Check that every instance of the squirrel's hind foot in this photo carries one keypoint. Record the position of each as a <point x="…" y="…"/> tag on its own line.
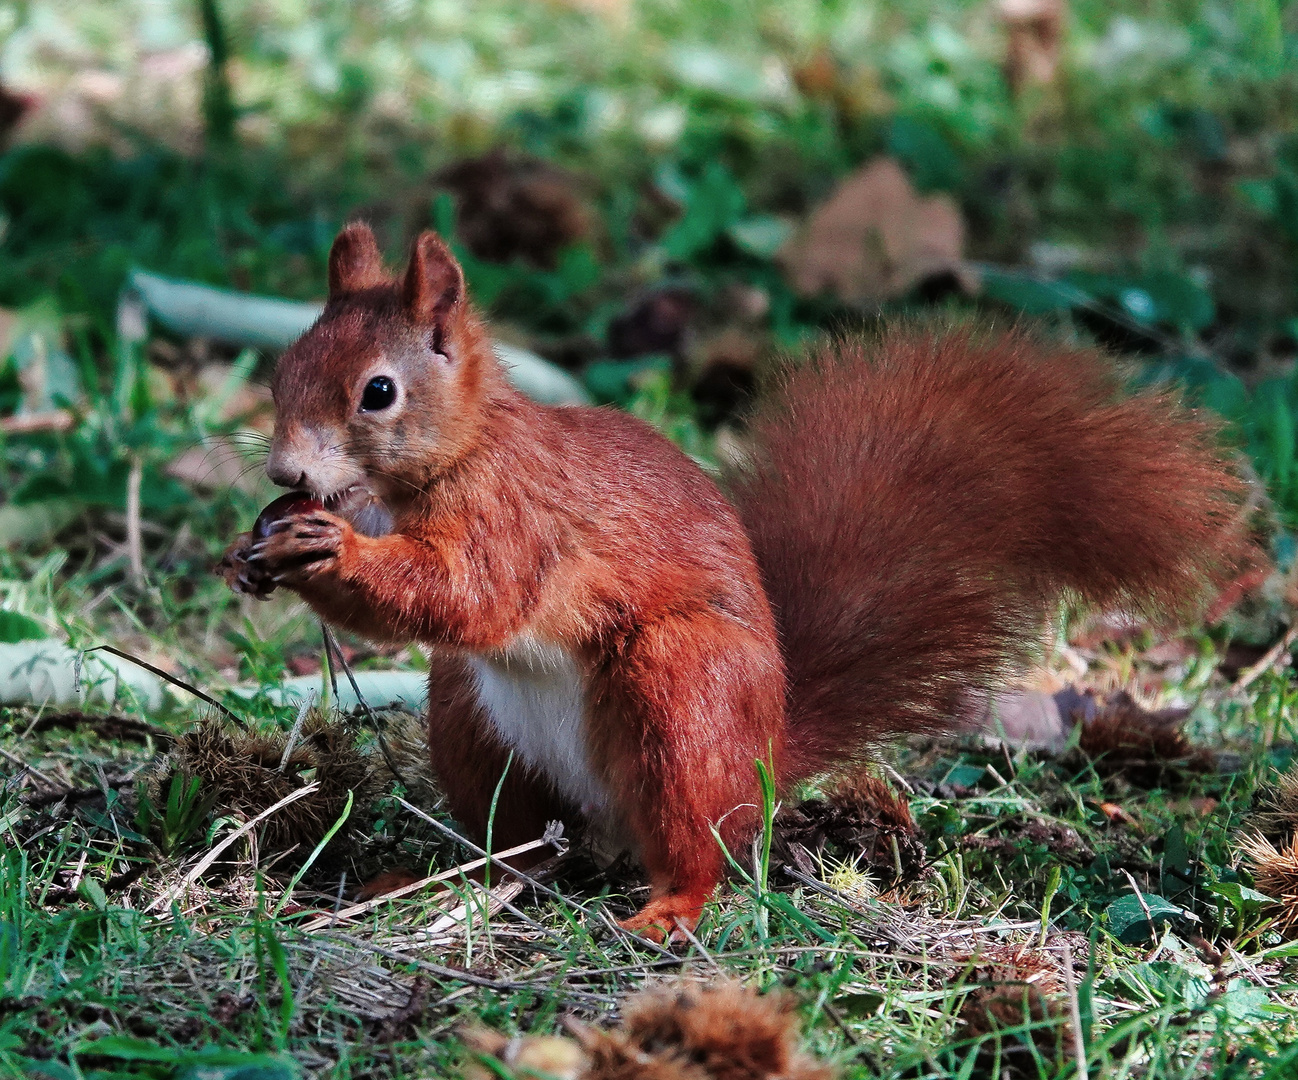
<point x="668" y="918"/>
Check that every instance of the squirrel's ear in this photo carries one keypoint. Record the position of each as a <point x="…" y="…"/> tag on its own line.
<point x="354" y="260"/>
<point x="434" y="285"/>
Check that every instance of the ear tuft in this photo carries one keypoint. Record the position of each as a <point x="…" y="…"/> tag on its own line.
<point x="433" y="289"/>
<point x="354" y="260"/>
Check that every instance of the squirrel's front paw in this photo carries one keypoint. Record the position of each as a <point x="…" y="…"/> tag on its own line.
<point x="239" y="574"/>
<point x="301" y="548"/>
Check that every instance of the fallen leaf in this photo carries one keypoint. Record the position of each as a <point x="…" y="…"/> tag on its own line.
<point x="1035" y="31"/>
<point x="875" y="238"/>
<point x="1116" y="814"/>
<point x="1029" y="719"/>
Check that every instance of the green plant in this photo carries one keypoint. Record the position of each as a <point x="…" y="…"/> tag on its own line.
<point x="180" y="820"/>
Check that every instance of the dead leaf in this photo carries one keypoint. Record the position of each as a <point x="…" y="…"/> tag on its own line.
<point x="875" y="238"/>
<point x="1116" y="814"/>
<point x="1030" y="719"/>
<point x="1035" y="31"/>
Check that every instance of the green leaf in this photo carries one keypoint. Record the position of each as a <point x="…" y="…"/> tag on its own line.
<point x="928" y="157"/>
<point x="92" y="891"/>
<point x="965" y="775"/>
<point x="1243" y="1001"/>
<point x="15" y="627"/>
<point x="36" y="522"/>
<point x="211" y="1063"/>
<point x="1128" y="921"/>
<point x="1240" y="897"/>
<point x="715" y="203"/>
<point x="1162" y="983"/>
<point x="1161" y="298"/>
<point x="761" y="235"/>
<point x="1031" y="295"/>
<point x="1176" y="861"/>
<point x="128" y="1048"/>
<point x="614" y="381"/>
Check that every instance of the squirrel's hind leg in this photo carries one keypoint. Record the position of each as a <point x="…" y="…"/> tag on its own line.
<point x="681" y="716"/>
<point x="469" y="760"/>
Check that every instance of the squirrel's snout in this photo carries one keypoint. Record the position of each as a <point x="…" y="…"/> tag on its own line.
<point x="288" y="476"/>
<point x="309" y="458"/>
<point x="285" y="467"/>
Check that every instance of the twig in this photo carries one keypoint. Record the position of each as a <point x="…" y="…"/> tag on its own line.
<point x="465" y="976"/>
<point x="690" y="936"/>
<point x="898" y="779"/>
<point x="1255" y="671"/>
<point x="332" y="649"/>
<point x="554" y="894"/>
<point x="134" y="537"/>
<point x="31" y="423"/>
<point x="171" y="679"/>
<point x="44" y="778"/>
<point x="456" y="918"/>
<point x="321" y="921"/>
<point x="1140" y="897"/>
<point x="1074" y="1011"/>
<point x="211" y="857"/>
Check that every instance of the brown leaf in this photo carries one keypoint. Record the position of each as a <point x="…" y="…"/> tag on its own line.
<point x="1035" y="30"/>
<point x="875" y="238"/>
<point x="1116" y="814"/>
<point x="1030" y="719"/>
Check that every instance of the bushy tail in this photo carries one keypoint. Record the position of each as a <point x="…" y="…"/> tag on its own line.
<point x="918" y="503"/>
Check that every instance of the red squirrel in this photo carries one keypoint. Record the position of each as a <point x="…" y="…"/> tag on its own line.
<point x="593" y="603"/>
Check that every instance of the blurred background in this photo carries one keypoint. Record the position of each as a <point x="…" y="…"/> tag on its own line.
<point x="653" y="201"/>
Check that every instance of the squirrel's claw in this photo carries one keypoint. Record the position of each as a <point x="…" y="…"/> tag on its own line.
<point x="298" y="548"/>
<point x="239" y="574"/>
<point x="667" y="919"/>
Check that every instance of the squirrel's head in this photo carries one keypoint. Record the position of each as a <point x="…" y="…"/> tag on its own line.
<point x="386" y="390"/>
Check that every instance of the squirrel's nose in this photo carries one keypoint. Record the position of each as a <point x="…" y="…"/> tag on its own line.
<point x="284" y="470"/>
<point x="289" y="478"/>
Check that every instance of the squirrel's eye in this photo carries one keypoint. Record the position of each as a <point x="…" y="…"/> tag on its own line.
<point x="379" y="393"/>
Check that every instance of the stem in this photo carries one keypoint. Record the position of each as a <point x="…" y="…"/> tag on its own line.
<point x="218" y="99"/>
<point x="134" y="536"/>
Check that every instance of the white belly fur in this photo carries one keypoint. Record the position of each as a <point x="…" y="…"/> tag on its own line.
<point x="535" y="696"/>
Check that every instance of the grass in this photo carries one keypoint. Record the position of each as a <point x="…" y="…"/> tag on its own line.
<point x="1026" y="855"/>
<point x="1146" y="200"/>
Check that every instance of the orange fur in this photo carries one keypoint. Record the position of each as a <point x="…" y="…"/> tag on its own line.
<point x="917" y="506"/>
<point x="910" y="514"/>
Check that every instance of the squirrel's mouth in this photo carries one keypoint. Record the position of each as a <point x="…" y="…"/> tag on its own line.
<point x="360" y="506"/>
